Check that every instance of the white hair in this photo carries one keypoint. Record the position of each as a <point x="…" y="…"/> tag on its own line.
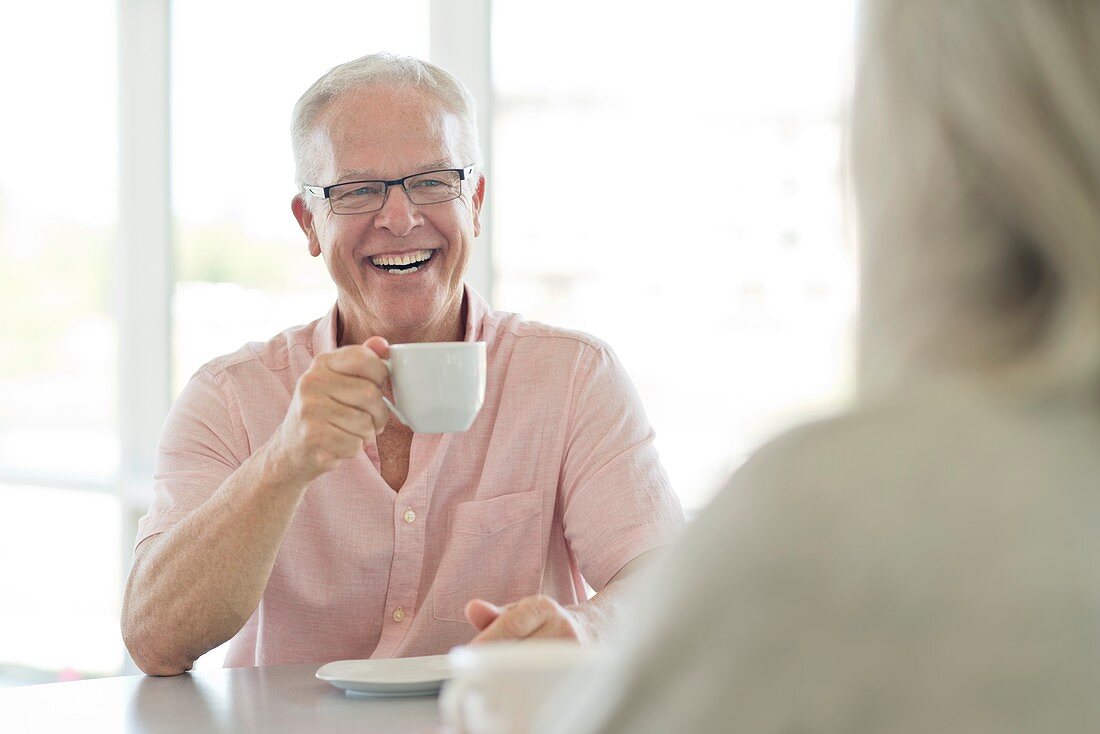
<point x="976" y="158"/>
<point x="382" y="69"/>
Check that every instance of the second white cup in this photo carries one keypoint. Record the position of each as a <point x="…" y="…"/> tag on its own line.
<point x="500" y="687"/>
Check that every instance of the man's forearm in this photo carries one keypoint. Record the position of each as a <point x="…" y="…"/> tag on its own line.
<point x="600" y="613"/>
<point x="195" y="586"/>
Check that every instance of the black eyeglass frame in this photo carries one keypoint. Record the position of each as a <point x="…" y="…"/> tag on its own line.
<point x="324" y="192"/>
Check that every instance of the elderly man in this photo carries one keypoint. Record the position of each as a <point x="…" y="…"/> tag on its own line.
<point x="292" y="514"/>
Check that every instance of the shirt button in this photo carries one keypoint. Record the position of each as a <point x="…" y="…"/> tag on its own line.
<point x="399" y="615"/>
<point x="409" y="515"/>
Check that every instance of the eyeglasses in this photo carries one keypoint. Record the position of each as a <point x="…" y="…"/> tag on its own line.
<point x="360" y="197"/>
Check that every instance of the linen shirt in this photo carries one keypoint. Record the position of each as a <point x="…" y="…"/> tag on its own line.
<point x="556" y="483"/>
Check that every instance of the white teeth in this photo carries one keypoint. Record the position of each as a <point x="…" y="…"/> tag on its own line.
<point x="406" y="259"/>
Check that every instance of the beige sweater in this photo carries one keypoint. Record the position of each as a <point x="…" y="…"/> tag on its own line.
<point x="928" y="566"/>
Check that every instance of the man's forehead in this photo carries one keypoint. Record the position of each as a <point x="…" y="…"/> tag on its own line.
<point x="380" y="100"/>
<point x="371" y="173"/>
<point x="386" y="133"/>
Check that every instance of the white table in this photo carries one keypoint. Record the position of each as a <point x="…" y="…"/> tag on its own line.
<point x="282" y="699"/>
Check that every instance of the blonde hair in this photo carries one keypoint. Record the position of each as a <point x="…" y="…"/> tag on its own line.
<point x="976" y="158"/>
<point x="380" y="69"/>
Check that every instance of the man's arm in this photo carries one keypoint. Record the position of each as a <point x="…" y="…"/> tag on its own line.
<point x="617" y="507"/>
<point x="542" y="617"/>
<point x="195" y="586"/>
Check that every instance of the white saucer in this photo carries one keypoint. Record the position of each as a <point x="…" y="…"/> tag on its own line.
<point x="391" y="677"/>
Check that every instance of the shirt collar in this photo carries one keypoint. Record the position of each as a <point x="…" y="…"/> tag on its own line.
<point x="324" y="333"/>
<point x="477" y="308"/>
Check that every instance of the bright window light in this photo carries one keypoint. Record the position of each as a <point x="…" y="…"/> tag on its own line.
<point x="673" y="184"/>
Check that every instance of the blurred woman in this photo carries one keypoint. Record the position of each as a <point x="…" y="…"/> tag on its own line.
<point x="925" y="563"/>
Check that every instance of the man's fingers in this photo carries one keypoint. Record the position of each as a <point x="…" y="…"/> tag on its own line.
<point x="357" y="422"/>
<point x="520" y="621"/>
<point x="337" y="391"/>
<point x="379" y="346"/>
<point x="354" y="392"/>
<point x="555" y="629"/>
<point x="481" y="613"/>
<point x="380" y="414"/>
<point x="337" y="408"/>
<point x="356" y="360"/>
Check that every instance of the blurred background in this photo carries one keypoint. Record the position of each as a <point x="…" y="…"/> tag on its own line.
<point x="659" y="173"/>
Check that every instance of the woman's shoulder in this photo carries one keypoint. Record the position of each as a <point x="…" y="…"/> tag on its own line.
<point x="945" y="436"/>
<point x="897" y="473"/>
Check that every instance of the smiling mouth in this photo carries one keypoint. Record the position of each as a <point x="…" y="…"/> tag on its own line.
<point x="409" y="262"/>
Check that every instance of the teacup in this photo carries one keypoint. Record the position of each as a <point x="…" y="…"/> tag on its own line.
<point x="497" y="688"/>
<point x="438" y="387"/>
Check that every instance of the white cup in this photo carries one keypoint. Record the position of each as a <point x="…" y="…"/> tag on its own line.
<point x="438" y="387"/>
<point x="498" y="687"/>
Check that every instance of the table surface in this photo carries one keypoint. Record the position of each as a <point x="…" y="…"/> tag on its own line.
<point x="277" y="699"/>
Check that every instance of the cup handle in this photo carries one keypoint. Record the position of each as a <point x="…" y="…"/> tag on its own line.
<point x="389" y="404"/>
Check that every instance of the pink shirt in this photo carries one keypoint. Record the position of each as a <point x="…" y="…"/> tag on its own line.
<point x="556" y="482"/>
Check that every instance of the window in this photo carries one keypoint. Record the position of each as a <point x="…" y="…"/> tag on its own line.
<point x="675" y="189"/>
<point x="57" y="367"/>
<point x="62" y="570"/>
<point x="59" y="551"/>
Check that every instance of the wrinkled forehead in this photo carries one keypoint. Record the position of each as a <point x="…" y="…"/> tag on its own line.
<point x="385" y="133"/>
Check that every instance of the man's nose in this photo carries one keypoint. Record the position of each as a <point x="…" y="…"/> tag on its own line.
<point x="398" y="214"/>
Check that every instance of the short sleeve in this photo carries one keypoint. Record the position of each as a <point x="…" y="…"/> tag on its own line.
<point x="617" y="501"/>
<point x="202" y="443"/>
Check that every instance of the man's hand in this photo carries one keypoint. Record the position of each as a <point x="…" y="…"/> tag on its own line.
<point x="529" y="618"/>
<point x="337" y="407"/>
<point x="541" y="616"/>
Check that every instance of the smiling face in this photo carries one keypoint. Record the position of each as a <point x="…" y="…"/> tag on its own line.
<point x="398" y="270"/>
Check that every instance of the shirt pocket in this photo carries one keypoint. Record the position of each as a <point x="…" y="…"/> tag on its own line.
<point x="494" y="553"/>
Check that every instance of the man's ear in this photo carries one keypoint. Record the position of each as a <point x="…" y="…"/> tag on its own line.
<point x="476" y="201"/>
<point x="305" y="220"/>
